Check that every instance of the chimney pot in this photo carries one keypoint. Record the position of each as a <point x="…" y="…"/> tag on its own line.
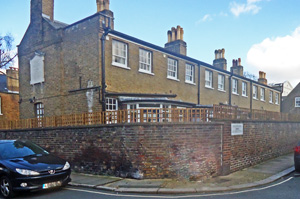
<point x="178" y="33"/>
<point x="223" y="53"/>
<point x="181" y="34"/>
<point x="240" y="61"/>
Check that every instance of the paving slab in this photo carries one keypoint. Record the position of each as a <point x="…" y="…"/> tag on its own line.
<point x="92" y="180"/>
<point x="131" y="183"/>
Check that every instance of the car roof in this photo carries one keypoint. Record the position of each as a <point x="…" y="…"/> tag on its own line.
<point x="6" y="141"/>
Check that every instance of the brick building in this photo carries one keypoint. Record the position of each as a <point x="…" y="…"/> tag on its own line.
<point x="291" y="103"/>
<point x="9" y="95"/>
<point x="63" y="69"/>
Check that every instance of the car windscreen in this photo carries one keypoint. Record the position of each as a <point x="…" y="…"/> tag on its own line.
<point x="19" y="149"/>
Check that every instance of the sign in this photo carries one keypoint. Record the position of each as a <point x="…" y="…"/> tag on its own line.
<point x="37" y="69"/>
<point x="237" y="129"/>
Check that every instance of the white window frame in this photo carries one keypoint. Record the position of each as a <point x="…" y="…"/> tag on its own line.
<point x="244" y="89"/>
<point x="297" y="102"/>
<point x="172" y="69"/>
<point x="145" y="61"/>
<point x="255" y="88"/>
<point x="234" y="86"/>
<point x="189" y="73"/>
<point x="276" y="98"/>
<point x="262" y="94"/>
<point x="221" y="82"/>
<point x="39" y="113"/>
<point x="111" y="102"/>
<point x="118" y="48"/>
<point x="208" y="79"/>
<point x="271" y="97"/>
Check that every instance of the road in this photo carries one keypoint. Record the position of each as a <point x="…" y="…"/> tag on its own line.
<point x="287" y="188"/>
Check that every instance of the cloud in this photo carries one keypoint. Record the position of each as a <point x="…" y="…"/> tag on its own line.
<point x="278" y="57"/>
<point x="205" y="18"/>
<point x="249" y="7"/>
<point x="209" y="17"/>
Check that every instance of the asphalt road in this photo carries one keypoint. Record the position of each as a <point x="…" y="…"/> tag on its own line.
<point x="285" y="188"/>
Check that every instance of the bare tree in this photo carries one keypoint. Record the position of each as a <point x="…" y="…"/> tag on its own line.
<point x="6" y="54"/>
<point x="250" y="76"/>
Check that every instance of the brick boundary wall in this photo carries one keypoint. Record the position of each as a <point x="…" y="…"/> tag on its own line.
<point x="261" y="141"/>
<point x="165" y="150"/>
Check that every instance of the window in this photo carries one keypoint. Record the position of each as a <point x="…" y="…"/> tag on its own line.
<point x="172" y="68"/>
<point x="254" y="92"/>
<point x="297" y="102"/>
<point x="244" y="89"/>
<point x="145" y="61"/>
<point x="39" y="113"/>
<point x="262" y="94"/>
<point x="208" y="79"/>
<point x="111" y="104"/>
<point x="189" y="73"/>
<point x="276" y="98"/>
<point x="221" y="82"/>
<point x="271" y="97"/>
<point x="119" y="54"/>
<point x="234" y="86"/>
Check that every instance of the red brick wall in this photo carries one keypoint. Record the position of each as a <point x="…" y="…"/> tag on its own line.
<point x="261" y="141"/>
<point x="166" y="150"/>
<point x="9" y="106"/>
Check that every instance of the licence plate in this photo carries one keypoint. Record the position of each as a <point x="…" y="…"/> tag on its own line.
<point x="51" y="184"/>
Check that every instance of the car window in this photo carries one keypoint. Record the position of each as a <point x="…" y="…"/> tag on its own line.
<point x="19" y="149"/>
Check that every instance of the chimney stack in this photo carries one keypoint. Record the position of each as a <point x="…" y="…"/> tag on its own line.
<point x="175" y="41"/>
<point x="237" y="67"/>
<point x="12" y="79"/>
<point x="262" y="78"/>
<point x="41" y="8"/>
<point x="220" y="61"/>
<point x="107" y="19"/>
<point x="102" y="5"/>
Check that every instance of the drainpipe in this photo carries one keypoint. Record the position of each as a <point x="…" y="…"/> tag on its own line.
<point x="251" y="98"/>
<point x="280" y="100"/>
<point x="199" y="84"/>
<point x="230" y="89"/>
<point x="103" y="82"/>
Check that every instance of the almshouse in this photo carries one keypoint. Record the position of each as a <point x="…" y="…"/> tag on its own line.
<point x="88" y="66"/>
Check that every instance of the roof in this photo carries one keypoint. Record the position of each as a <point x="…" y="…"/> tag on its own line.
<point x="55" y="24"/>
<point x="200" y="63"/>
<point x="3" y="83"/>
<point x="154" y="100"/>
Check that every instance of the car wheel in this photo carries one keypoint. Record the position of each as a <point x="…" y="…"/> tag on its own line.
<point x="6" y="187"/>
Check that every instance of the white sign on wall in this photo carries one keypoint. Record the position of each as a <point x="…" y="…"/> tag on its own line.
<point x="237" y="129"/>
<point x="37" y="69"/>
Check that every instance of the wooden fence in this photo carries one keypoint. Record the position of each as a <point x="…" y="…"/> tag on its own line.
<point x="149" y="116"/>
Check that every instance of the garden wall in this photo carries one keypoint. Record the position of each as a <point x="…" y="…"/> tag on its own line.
<point x="165" y="150"/>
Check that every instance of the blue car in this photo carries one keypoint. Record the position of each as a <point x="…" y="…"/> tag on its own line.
<point x="24" y="166"/>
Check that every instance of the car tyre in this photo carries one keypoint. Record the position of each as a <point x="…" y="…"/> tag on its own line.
<point x="6" y="187"/>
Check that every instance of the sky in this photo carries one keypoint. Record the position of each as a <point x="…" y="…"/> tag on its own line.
<point x="265" y="34"/>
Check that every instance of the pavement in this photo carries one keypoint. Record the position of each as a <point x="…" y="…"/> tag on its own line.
<point x="261" y="174"/>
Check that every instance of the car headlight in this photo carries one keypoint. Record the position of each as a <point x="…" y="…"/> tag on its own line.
<point x="67" y="166"/>
<point x="26" y="172"/>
